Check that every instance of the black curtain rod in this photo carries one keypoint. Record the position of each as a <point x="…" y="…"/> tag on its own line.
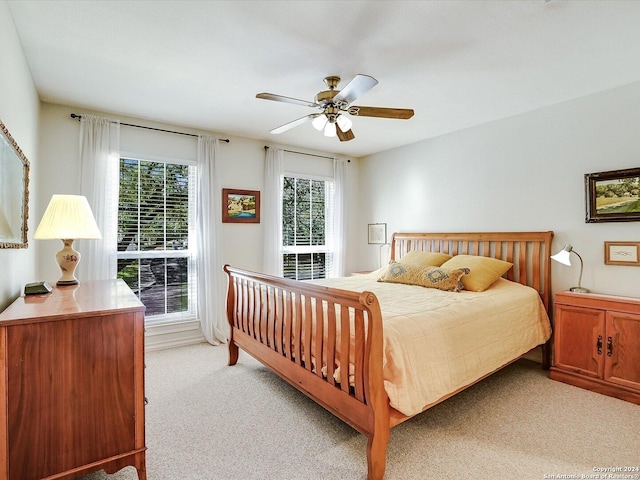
<point x="266" y="147"/>
<point x="226" y="140"/>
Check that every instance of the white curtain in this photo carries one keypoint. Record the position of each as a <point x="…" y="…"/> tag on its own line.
<point x="211" y="278"/>
<point x="339" y="180"/>
<point x="99" y="164"/>
<point x="272" y="211"/>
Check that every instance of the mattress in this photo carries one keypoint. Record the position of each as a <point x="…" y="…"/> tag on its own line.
<point x="437" y="342"/>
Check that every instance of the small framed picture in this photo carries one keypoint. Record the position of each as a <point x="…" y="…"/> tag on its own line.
<point x="240" y="206"/>
<point x="378" y="233"/>
<point x="622" y="253"/>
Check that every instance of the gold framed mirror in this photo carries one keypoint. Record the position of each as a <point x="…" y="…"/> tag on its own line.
<point x="14" y="192"/>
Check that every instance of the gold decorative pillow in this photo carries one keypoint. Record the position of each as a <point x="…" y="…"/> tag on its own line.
<point x="416" y="257"/>
<point x="447" y="279"/>
<point x="484" y="270"/>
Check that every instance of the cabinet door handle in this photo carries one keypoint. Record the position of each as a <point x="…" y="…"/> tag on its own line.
<point x="609" y="346"/>
<point x="599" y="344"/>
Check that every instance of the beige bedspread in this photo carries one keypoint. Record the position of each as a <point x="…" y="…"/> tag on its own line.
<point x="437" y="342"/>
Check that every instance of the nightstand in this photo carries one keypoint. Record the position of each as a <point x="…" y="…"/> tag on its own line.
<point x="597" y="343"/>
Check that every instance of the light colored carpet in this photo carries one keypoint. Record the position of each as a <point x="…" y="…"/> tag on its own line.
<point x="208" y="421"/>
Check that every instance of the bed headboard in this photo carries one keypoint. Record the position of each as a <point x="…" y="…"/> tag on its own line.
<point x="530" y="252"/>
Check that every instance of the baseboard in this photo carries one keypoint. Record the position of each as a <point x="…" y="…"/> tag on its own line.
<point x="159" y="337"/>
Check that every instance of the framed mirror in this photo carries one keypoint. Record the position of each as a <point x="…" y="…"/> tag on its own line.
<point x="14" y="192"/>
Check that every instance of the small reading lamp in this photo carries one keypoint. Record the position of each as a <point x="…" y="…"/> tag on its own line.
<point x="564" y="257"/>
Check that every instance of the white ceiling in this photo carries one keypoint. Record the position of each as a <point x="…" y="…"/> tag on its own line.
<point x="200" y="63"/>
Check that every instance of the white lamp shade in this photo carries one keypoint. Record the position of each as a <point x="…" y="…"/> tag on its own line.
<point x="319" y="122"/>
<point x="67" y="217"/>
<point x="330" y="130"/>
<point x="344" y="123"/>
<point x="563" y="256"/>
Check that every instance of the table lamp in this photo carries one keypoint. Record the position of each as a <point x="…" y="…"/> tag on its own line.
<point x="564" y="257"/>
<point x="67" y="218"/>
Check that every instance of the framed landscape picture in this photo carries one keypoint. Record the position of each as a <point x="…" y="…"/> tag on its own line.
<point x="613" y="196"/>
<point x="240" y="206"/>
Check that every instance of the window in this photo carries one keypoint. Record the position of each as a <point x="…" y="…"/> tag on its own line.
<point x="306" y="211"/>
<point x="156" y="212"/>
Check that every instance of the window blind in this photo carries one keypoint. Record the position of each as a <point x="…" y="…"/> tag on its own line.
<point x="307" y="206"/>
<point x="156" y="217"/>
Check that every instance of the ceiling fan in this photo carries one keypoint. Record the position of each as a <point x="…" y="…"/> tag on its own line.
<point x="333" y="104"/>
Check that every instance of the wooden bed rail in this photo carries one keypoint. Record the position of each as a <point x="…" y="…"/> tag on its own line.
<point x="276" y="321"/>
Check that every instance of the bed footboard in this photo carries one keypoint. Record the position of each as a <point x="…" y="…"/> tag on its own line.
<point x="324" y="341"/>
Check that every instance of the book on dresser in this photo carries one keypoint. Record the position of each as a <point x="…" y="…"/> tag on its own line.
<point x="72" y="383"/>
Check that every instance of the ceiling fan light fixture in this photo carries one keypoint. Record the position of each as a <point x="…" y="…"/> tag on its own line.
<point x="319" y="122"/>
<point x="330" y="130"/>
<point x="344" y="123"/>
<point x="333" y="103"/>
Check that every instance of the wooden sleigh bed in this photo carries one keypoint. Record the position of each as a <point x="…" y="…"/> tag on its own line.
<point x="275" y="320"/>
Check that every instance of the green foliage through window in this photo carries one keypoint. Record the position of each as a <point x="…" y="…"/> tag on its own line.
<point x="305" y="203"/>
<point x="153" y="207"/>
<point x="154" y="256"/>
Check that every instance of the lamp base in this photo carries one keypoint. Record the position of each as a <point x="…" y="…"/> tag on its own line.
<point x="68" y="260"/>
<point x="579" y="290"/>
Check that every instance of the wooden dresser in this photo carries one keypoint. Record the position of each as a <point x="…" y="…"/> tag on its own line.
<point x="72" y="383"/>
<point x="597" y="343"/>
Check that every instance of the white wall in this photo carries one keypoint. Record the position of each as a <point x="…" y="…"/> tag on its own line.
<point x="19" y="107"/>
<point x="521" y="173"/>
<point x="241" y="162"/>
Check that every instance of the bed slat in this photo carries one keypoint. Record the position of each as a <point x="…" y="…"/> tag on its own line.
<point x="359" y="356"/>
<point x="345" y="343"/>
<point x="318" y="350"/>
<point x="288" y="322"/>
<point x="278" y="325"/>
<point x="297" y="336"/>
<point x="331" y="343"/>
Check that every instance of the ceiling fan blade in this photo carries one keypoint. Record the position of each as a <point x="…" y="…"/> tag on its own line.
<point x="345" y="136"/>
<point x="359" y="85"/>
<point x="399" y="113"/>
<point x="280" y="98"/>
<point x="295" y="123"/>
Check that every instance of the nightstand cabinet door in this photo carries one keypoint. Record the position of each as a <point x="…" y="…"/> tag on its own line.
<point x="579" y="340"/>
<point x="597" y="344"/>
<point x="622" y="365"/>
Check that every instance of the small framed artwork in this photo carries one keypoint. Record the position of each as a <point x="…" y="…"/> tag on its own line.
<point x="622" y="253"/>
<point x="613" y="196"/>
<point x="378" y="233"/>
<point x="240" y="206"/>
